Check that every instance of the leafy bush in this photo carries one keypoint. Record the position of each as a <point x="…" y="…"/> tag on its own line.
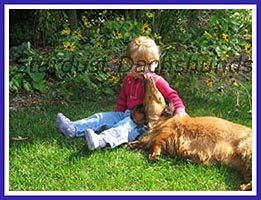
<point x="201" y="51"/>
<point x="30" y="71"/>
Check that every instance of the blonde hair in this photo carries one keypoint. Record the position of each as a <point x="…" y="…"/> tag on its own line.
<point x="143" y="49"/>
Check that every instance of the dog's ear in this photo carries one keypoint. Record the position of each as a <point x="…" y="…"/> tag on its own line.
<point x="138" y="115"/>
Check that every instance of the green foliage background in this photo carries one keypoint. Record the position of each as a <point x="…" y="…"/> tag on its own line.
<point x="201" y="50"/>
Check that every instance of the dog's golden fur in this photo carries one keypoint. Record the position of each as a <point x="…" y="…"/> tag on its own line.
<point x="202" y="140"/>
<point x="153" y="106"/>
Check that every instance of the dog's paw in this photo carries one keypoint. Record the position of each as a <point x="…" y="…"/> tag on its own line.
<point x="134" y="144"/>
<point x="246" y="187"/>
<point x="154" y="157"/>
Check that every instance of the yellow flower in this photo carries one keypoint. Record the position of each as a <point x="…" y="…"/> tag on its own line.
<point x="207" y="34"/>
<point x="171" y="47"/>
<point x="209" y="82"/>
<point x="87" y="24"/>
<point x="182" y="30"/>
<point x="193" y="66"/>
<point x="77" y="35"/>
<point x="115" y="80"/>
<point x="124" y="61"/>
<point x="99" y="45"/>
<point x="117" y="34"/>
<point x="248" y="48"/>
<point x="149" y="14"/>
<point x="84" y="18"/>
<point x="66" y="31"/>
<point x="225" y="37"/>
<point x="146" y="28"/>
<point x="233" y="81"/>
<point x="157" y="36"/>
<point x="119" y="18"/>
<point x="69" y="46"/>
<point x="103" y="13"/>
<point x="245" y="31"/>
<point x="206" y="67"/>
<point x="225" y="54"/>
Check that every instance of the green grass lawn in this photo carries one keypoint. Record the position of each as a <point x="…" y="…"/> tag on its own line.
<point x="52" y="162"/>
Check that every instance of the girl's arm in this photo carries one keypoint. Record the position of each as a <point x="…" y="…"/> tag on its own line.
<point x="122" y="99"/>
<point x="171" y="95"/>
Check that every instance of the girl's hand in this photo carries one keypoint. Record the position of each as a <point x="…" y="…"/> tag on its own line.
<point x="182" y="113"/>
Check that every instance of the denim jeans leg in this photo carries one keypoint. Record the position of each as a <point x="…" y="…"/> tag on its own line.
<point x="124" y="131"/>
<point x="136" y="132"/>
<point x="98" y="122"/>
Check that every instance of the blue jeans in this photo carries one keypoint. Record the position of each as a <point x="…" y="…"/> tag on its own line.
<point x="115" y="128"/>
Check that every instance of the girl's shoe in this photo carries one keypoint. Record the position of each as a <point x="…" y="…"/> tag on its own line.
<point x="65" y="125"/>
<point x="94" y="141"/>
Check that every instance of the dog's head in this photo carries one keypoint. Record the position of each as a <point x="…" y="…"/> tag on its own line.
<point x="153" y="102"/>
<point x="153" y="106"/>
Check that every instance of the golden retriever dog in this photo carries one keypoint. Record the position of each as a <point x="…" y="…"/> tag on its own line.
<point x="153" y="107"/>
<point x="202" y="140"/>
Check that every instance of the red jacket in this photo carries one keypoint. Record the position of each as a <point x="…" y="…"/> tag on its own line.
<point x="132" y="93"/>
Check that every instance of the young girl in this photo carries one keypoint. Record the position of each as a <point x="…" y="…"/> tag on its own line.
<point x="111" y="129"/>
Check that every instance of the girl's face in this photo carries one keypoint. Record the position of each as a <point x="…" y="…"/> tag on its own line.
<point x="142" y="67"/>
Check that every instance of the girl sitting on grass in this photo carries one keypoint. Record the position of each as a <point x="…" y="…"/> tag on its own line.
<point x="116" y="128"/>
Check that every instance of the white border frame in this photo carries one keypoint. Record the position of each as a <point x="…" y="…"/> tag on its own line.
<point x="131" y="6"/>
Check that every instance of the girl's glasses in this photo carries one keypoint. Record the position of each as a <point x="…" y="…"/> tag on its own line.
<point x="142" y="66"/>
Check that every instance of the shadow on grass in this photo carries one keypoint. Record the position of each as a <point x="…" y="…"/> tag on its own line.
<point x="230" y="176"/>
<point x="82" y="152"/>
